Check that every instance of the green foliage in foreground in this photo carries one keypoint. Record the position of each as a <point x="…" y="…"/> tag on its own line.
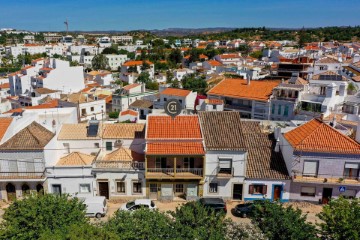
<point x="340" y="220"/>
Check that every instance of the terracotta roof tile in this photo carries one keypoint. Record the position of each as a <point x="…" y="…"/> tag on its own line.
<point x="214" y="101"/>
<point x="327" y="73"/>
<point x="317" y="136"/>
<point x="76" y="159"/>
<point x="327" y="60"/>
<point x="214" y="63"/>
<point x="176" y="92"/>
<point x="4" y="125"/>
<point x="33" y="137"/>
<point x="136" y="63"/>
<point x="124" y="131"/>
<point x="76" y="131"/>
<point x="5" y="85"/>
<point x="128" y="87"/>
<point x="124" y="154"/>
<point x="238" y="88"/>
<point x="45" y="90"/>
<point x="181" y="127"/>
<point x="222" y="130"/>
<point x="129" y="112"/>
<point x="262" y="161"/>
<point x="141" y="104"/>
<point x="175" y="148"/>
<point x="51" y="104"/>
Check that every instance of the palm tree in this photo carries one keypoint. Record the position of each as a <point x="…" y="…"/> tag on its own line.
<point x="100" y="62"/>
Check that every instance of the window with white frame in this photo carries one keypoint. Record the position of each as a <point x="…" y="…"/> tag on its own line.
<point x="351" y="170"/>
<point x="310" y="168"/>
<point x="308" y="191"/>
<point x="225" y="165"/>
<point x="136" y="188"/>
<point x="213" y="187"/>
<point x="120" y="187"/>
<point x="257" y="189"/>
<point x="85" y="188"/>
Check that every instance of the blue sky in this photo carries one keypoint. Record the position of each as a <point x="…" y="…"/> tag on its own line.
<point x="159" y="14"/>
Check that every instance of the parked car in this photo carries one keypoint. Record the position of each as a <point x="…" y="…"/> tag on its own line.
<point x="245" y="209"/>
<point x="216" y="204"/>
<point x="95" y="206"/>
<point x="137" y="204"/>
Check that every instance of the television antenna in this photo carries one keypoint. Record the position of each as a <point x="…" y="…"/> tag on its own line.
<point x="67" y="25"/>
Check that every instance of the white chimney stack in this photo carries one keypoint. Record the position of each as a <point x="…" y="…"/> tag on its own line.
<point x="277" y="146"/>
<point x="248" y="81"/>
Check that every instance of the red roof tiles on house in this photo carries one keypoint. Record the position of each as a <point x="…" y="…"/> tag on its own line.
<point x="175" y="148"/>
<point x="214" y="63"/>
<point x="129" y="112"/>
<point x="176" y="92"/>
<point x="238" y="88"/>
<point x="136" y="63"/>
<point x="317" y="136"/>
<point x="128" y="87"/>
<point x="4" y="125"/>
<point x="181" y="127"/>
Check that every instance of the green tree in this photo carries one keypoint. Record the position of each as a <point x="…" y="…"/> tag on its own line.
<point x="175" y="56"/>
<point x="109" y="50"/>
<point x="193" y="221"/>
<point x="113" y="114"/>
<point x="256" y="54"/>
<point x="99" y="62"/>
<point x="340" y="219"/>
<point x="74" y="63"/>
<point x="140" y="224"/>
<point x="38" y="214"/>
<point x="282" y="223"/>
<point x="143" y="77"/>
<point x="80" y="232"/>
<point x="196" y="84"/>
<point x="145" y="65"/>
<point x="169" y="76"/>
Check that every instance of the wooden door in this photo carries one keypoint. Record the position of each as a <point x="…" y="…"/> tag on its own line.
<point x="104" y="189"/>
<point x="277" y="193"/>
<point x="237" y="191"/>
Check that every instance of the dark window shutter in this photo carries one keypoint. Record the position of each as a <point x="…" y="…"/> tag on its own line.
<point x="264" y="190"/>
<point x="251" y="189"/>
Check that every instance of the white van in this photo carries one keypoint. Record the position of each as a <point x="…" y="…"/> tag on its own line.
<point x="95" y="206"/>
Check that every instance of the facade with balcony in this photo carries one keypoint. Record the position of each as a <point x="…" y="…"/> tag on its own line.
<point x="22" y="161"/>
<point x="175" y="158"/>
<point x="323" y="162"/>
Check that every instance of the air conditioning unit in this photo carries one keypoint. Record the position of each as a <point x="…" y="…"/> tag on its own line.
<point x="118" y="143"/>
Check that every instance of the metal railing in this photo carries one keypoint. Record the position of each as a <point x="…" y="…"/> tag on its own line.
<point x="238" y="107"/>
<point x="22" y="175"/>
<point x="171" y="171"/>
<point x="225" y="172"/>
<point x="326" y="178"/>
<point x="128" y="165"/>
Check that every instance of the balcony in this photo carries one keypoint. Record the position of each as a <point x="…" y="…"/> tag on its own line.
<point x="238" y="107"/>
<point x="22" y="175"/>
<point x="225" y="172"/>
<point x="172" y="173"/>
<point x="328" y="179"/>
<point x="119" y="165"/>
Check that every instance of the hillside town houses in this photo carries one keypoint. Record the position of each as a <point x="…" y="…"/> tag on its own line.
<point x="284" y="126"/>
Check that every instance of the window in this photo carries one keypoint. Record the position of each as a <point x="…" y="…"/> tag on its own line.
<point x="286" y="111"/>
<point x="273" y="109"/>
<point x="179" y="188"/>
<point x="180" y="101"/>
<point x="85" y="188"/>
<point x="308" y="191"/>
<point x="279" y="110"/>
<point x="189" y="162"/>
<point x="96" y="145"/>
<point x="310" y="168"/>
<point x="165" y="99"/>
<point x="225" y="165"/>
<point x="92" y="109"/>
<point x="120" y="187"/>
<point x="351" y="170"/>
<point x="137" y="187"/>
<point x="108" y="146"/>
<point x="213" y="187"/>
<point x="258" y="189"/>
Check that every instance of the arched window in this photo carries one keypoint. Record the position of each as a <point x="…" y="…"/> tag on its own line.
<point x="40" y="188"/>
<point x="11" y="192"/>
<point x="25" y="189"/>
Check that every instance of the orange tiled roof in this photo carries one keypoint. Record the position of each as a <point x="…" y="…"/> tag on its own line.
<point x="5" y="85"/>
<point x="259" y="90"/>
<point x="129" y="112"/>
<point x="225" y="56"/>
<point x="15" y="110"/>
<point x="203" y="56"/>
<point x="181" y="127"/>
<point x="214" y="63"/>
<point x="214" y="101"/>
<point x="176" y="92"/>
<point x="4" y="125"/>
<point x="317" y="136"/>
<point x="175" y="148"/>
<point x="135" y="63"/>
<point x="76" y="159"/>
<point x="128" y="87"/>
<point x="108" y="98"/>
<point x="51" y="104"/>
<point x="27" y="67"/>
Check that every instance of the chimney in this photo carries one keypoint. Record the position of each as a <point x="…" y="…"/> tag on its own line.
<point x="277" y="146"/>
<point x="142" y="87"/>
<point x="357" y="138"/>
<point x="333" y="122"/>
<point x="342" y="89"/>
<point x="248" y="81"/>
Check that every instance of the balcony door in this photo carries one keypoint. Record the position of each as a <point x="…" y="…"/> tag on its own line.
<point x="189" y="163"/>
<point x="160" y="162"/>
